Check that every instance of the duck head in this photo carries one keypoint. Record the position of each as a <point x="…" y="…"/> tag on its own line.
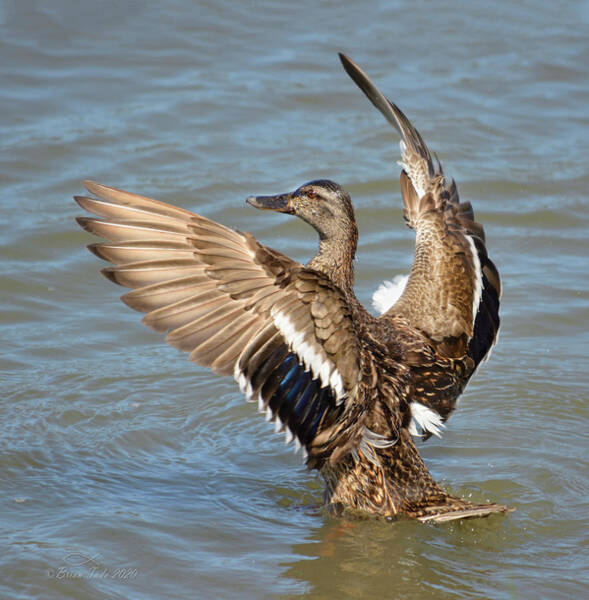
<point x="322" y="203"/>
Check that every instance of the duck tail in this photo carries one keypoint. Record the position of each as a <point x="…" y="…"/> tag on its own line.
<point x="455" y="508"/>
<point x="413" y="491"/>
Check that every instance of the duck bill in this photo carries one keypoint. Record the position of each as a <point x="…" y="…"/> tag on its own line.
<point x="279" y="203"/>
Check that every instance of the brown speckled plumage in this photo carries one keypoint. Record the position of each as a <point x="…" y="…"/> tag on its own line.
<point x="340" y="382"/>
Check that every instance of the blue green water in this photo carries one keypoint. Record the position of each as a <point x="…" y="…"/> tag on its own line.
<point x="128" y="472"/>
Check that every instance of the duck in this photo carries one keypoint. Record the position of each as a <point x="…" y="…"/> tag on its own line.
<point x="348" y="388"/>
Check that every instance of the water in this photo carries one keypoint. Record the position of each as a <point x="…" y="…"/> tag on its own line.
<point x="126" y="471"/>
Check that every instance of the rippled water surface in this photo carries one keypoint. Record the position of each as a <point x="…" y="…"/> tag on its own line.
<point x="128" y="472"/>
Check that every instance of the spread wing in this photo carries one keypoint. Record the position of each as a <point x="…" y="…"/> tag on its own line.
<point x="454" y="289"/>
<point x="284" y="331"/>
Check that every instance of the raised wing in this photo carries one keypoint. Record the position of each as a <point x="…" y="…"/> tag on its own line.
<point x="454" y="289"/>
<point x="284" y="331"/>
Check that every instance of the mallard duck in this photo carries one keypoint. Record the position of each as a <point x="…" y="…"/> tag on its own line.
<point x="347" y="387"/>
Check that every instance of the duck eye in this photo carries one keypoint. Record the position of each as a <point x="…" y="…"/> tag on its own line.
<point x="312" y="194"/>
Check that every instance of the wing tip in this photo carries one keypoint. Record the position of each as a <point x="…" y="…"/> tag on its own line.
<point x="111" y="274"/>
<point x="93" y="186"/>
<point x="81" y="200"/>
<point x="96" y="249"/>
<point x="86" y="223"/>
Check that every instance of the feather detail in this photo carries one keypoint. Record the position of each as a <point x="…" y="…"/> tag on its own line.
<point x="388" y="292"/>
<point x="424" y="420"/>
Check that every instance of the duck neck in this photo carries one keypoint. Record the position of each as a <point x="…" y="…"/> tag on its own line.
<point x="336" y="259"/>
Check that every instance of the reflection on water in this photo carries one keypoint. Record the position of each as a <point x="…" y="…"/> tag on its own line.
<point x="118" y="453"/>
<point x="405" y="561"/>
